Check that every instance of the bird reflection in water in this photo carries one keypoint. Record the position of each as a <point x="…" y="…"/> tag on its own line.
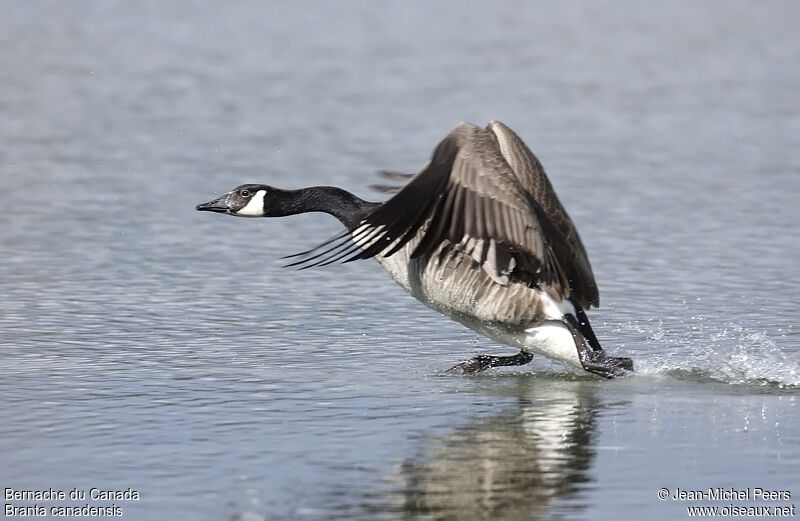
<point x="511" y="466"/>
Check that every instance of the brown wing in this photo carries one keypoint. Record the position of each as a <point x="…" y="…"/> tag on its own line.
<point x="467" y="198"/>
<point x="560" y="232"/>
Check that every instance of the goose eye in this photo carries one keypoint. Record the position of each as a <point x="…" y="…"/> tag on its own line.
<point x="244" y="193"/>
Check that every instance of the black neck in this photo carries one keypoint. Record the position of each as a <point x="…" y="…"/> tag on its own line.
<point x="343" y="205"/>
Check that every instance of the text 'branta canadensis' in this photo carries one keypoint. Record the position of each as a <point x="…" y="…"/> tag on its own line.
<point x="478" y="235"/>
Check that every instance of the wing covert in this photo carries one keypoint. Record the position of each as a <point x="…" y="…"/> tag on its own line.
<point x="468" y="199"/>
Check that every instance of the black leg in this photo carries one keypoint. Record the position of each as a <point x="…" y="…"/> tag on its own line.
<point x="595" y="359"/>
<point x="484" y="362"/>
<point x="583" y="325"/>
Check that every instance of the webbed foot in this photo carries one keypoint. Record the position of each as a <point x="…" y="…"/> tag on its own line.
<point x="481" y="363"/>
<point x="599" y="363"/>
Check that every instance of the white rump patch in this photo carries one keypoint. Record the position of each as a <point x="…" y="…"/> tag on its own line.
<point x="553" y="339"/>
<point x="555" y="310"/>
<point x="255" y="207"/>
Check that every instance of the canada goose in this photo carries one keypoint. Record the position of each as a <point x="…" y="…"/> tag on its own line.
<point x="478" y="235"/>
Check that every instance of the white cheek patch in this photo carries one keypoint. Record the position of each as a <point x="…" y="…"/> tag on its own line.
<point x="255" y="207"/>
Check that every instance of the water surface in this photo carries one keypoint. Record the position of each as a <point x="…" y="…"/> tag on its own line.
<point x="146" y="345"/>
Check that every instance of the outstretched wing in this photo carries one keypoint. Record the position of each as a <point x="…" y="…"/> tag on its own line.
<point x="467" y="199"/>
<point x="392" y="176"/>
<point x="559" y="229"/>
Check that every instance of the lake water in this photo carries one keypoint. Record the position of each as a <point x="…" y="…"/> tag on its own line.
<point x="148" y="346"/>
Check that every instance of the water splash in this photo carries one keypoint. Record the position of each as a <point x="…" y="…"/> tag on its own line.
<point x="728" y="353"/>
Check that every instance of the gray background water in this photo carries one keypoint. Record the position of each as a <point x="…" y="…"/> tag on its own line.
<point x="146" y="345"/>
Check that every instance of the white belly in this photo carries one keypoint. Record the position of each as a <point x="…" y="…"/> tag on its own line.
<point x="500" y="313"/>
<point x="552" y="339"/>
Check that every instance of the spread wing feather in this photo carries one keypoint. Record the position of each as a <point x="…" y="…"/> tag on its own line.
<point x="484" y="194"/>
<point x="559" y="229"/>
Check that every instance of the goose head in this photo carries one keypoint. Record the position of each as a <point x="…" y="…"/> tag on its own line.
<point x="243" y="201"/>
